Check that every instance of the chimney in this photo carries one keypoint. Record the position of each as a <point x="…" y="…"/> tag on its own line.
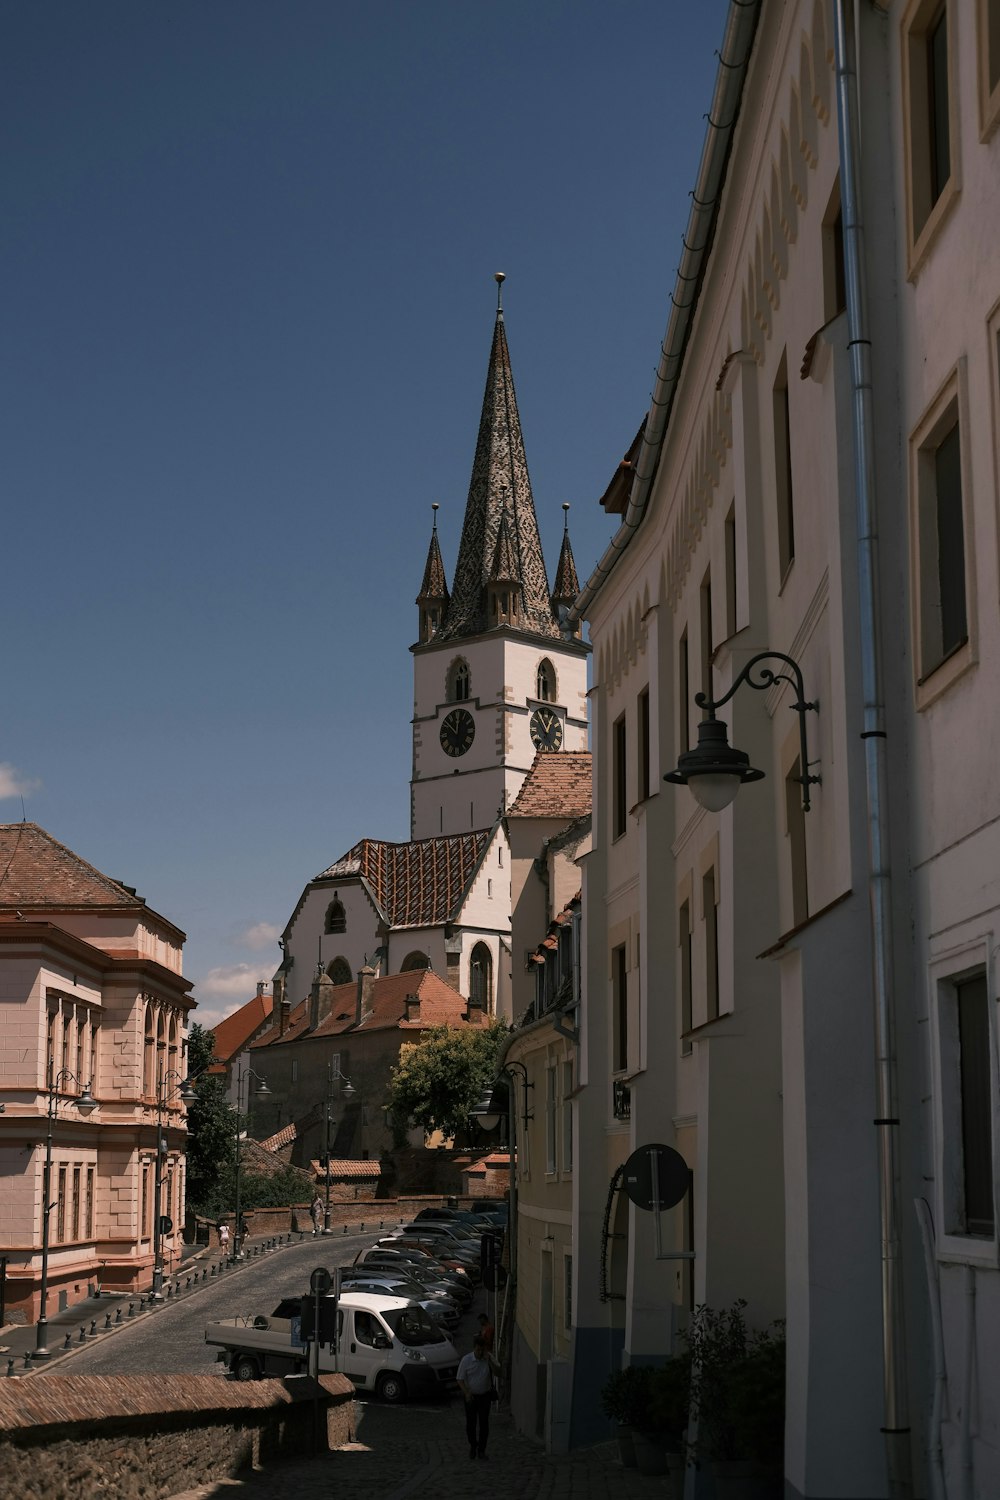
<point x="260" y="988"/>
<point x="284" y="1011"/>
<point x="320" y="999"/>
<point x="412" y="1008"/>
<point x="366" y="993"/>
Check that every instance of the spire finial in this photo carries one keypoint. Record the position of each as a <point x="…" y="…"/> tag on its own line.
<point x="435" y="508"/>
<point x="499" y="277"/>
<point x="565" y="517"/>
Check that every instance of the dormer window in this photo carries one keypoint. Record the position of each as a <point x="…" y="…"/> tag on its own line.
<point x="459" y="681"/>
<point x="336" y="917"/>
<point x="545" y="682"/>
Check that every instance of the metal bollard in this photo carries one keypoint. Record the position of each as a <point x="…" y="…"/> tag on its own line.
<point x="107" y="1322"/>
<point x="131" y="1310"/>
<point x="83" y="1334"/>
<point x="170" y="1290"/>
<point x="362" y="1226"/>
<point x="118" y="1315"/>
<point x="345" y="1229"/>
<point x="187" y="1284"/>
<point x="93" y="1329"/>
<point x="213" y="1270"/>
<point x="68" y="1341"/>
<point x="27" y="1360"/>
<point x="10" y="1367"/>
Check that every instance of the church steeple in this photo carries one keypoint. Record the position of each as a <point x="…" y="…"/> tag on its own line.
<point x="499" y="500"/>
<point x="433" y="596"/>
<point x="567" y="584"/>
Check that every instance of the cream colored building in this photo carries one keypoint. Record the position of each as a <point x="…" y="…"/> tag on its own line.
<point x="802" y="1002"/>
<point x="91" y="997"/>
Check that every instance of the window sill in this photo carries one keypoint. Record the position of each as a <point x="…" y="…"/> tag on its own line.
<point x="920" y="244"/>
<point x="942" y="677"/>
<point x="967" y="1250"/>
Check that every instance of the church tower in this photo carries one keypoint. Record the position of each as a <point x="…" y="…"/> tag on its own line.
<point x="495" y="678"/>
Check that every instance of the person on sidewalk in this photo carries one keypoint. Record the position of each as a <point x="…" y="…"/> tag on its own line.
<point x="475" y="1381"/>
<point x="224" y="1240"/>
<point x="317" y="1214"/>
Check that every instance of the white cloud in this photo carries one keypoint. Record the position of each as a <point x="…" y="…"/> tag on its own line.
<point x="260" y="935"/>
<point x="233" y="982"/>
<point x="13" y="784"/>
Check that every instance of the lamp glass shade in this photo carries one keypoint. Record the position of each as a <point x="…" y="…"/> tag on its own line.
<point x="715" y="790"/>
<point x="85" y="1102"/>
<point x="262" y="1091"/>
<point x="347" y="1088"/>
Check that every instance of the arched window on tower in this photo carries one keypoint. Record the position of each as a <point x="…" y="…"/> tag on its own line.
<point x="339" y="970"/>
<point x="459" y="680"/>
<point x="336" y="917"/>
<point x="481" y="978"/>
<point x="414" y="960"/>
<point x="545" y="682"/>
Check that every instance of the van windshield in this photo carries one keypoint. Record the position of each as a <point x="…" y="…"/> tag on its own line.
<point x="412" y="1326"/>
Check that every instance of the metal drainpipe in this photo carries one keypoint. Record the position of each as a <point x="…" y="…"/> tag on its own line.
<point x="896" y="1427"/>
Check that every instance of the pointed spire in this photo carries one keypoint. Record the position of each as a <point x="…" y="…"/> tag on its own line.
<point x="567" y="584"/>
<point x="499" y="491"/>
<point x="504" y="569"/>
<point x="433" y="596"/>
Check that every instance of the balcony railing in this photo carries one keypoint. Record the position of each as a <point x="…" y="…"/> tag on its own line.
<point x="621" y="1100"/>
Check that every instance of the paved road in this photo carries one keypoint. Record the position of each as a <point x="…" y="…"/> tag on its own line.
<point x="171" y="1340"/>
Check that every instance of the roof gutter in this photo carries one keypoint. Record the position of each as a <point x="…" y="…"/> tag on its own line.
<point x="734" y="58"/>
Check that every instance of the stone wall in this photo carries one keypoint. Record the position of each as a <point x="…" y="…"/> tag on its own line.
<point x="144" y="1437"/>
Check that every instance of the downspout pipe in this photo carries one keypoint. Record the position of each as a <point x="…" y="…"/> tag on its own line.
<point x="896" y="1426"/>
<point x="741" y="24"/>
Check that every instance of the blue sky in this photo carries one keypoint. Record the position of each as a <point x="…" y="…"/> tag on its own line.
<point x="248" y="301"/>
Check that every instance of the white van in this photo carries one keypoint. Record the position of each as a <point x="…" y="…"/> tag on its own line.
<point x="384" y="1344"/>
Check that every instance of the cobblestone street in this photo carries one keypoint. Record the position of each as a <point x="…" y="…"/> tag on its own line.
<point x="421" y="1454"/>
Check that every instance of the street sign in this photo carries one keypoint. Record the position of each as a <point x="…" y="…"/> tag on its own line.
<point x="659" y="1165"/>
<point x="166" y="1223"/>
<point x="320" y="1281"/>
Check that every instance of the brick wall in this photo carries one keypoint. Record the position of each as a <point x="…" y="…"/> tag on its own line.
<point x="142" y="1438"/>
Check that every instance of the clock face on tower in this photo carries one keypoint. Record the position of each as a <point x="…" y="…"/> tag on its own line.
<point x="457" y="732"/>
<point x="546" y="729"/>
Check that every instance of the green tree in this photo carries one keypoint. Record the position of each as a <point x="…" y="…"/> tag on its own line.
<point x="211" y="1123"/>
<point x="440" y="1079"/>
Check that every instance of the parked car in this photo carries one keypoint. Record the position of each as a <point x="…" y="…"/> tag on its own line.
<point x="440" y="1310"/>
<point x="421" y="1259"/>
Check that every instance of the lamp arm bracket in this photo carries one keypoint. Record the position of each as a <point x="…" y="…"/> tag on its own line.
<point x="765" y="679"/>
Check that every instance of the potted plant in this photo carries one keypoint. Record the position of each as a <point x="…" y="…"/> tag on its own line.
<point x="738" y="1400"/>
<point x="624" y="1398"/>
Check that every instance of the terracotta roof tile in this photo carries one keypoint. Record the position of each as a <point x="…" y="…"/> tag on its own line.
<point x="417" y="884"/>
<point x="37" y="872"/>
<point x="346" y="1168"/>
<point x="233" y="1032"/>
<point x="440" y="1005"/>
<point x="557" y="786"/>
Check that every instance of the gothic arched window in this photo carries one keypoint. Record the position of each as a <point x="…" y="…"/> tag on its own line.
<point x="545" y="682"/>
<point x="459" y="680"/>
<point x="339" y="970"/>
<point x="336" y="917"/>
<point x="414" y="960"/>
<point x="481" y="977"/>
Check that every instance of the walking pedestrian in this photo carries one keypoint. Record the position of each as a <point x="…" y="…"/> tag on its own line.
<point x="475" y="1381"/>
<point x="317" y="1213"/>
<point x="224" y="1238"/>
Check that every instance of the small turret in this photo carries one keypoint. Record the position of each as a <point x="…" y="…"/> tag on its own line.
<point x="433" y="597"/>
<point x="567" y="584"/>
<point x="503" y="588"/>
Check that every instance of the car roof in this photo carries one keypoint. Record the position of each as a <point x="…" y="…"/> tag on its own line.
<point x="368" y="1300"/>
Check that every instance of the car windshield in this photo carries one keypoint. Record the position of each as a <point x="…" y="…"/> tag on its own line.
<point x="413" y="1326"/>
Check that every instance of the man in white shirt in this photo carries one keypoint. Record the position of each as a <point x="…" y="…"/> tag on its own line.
<point x="475" y="1381"/>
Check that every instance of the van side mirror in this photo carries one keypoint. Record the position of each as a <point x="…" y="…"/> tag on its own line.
<point x="381" y="1342"/>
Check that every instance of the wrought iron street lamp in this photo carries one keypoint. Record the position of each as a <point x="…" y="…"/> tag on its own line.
<point x="714" y="769"/>
<point x="85" y="1104"/>
<point x="347" y="1091"/>
<point x="185" y="1090"/>
<point x="260" y="1092"/>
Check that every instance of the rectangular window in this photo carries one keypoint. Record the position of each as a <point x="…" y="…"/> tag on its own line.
<point x="685" y="954"/>
<point x="967" y="1105"/>
<point x="619" y="1010"/>
<point x="76" y="1204"/>
<point x="50" y="1036"/>
<point x="88" y="1218"/>
<point x="928" y="85"/>
<point x="567" y="1292"/>
<point x="550" y="1118"/>
<point x="989" y="65"/>
<point x="644" y="744"/>
<point x="709" y="898"/>
<point x="783" y="469"/>
<point x="705" y="635"/>
<point x="567" y="1116"/>
<point x="61" y="1207"/>
<point x="795" y="828"/>
<point x="144" y="1213"/>
<point x="619" y="766"/>
<point x="730" y="540"/>
<point x="834" y="279"/>
<point x="95" y="1057"/>
<point x="942" y="623"/>
<point x="683" y="696"/>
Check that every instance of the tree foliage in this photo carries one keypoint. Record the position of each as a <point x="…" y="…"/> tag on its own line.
<point x="211" y="1124"/>
<point x="440" y="1079"/>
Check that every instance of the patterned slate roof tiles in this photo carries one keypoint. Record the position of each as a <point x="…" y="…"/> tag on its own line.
<point x="434" y="588"/>
<point x="417" y="884"/>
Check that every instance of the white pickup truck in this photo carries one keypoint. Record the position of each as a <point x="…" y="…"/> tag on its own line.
<point x="384" y="1344"/>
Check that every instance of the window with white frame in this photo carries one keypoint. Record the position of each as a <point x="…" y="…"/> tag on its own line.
<point x="566" y="1106"/>
<point x="940" y="546"/>
<point x="931" y="119"/>
<point x="965" y="1043"/>
<point x="551" y="1107"/>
